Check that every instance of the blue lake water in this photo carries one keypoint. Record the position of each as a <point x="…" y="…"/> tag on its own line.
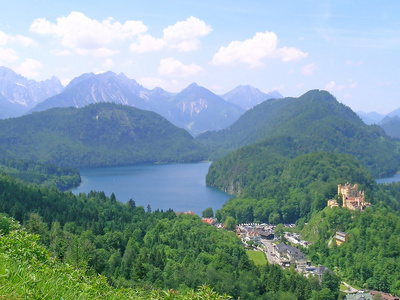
<point x="181" y="187"/>
<point x="394" y="178"/>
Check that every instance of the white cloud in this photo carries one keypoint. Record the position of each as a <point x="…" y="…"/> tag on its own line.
<point x="100" y="52"/>
<point x="347" y="96"/>
<point x="60" y="52"/>
<point x="289" y="53"/>
<point x="65" y="82"/>
<point x="86" y="35"/>
<point x="184" y="35"/>
<point x="29" y="68"/>
<point x="332" y="86"/>
<point x="353" y="84"/>
<point x="168" y="85"/>
<point x="8" y="55"/>
<point x="173" y="67"/>
<point x="22" y="40"/>
<point x="108" y="63"/>
<point x="147" y="43"/>
<point x="308" y="69"/>
<point x="354" y="63"/>
<point x="253" y="51"/>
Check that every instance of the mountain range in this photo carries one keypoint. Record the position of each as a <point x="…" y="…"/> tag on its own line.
<point x="247" y="96"/>
<point x="192" y="108"/>
<point x="18" y="94"/>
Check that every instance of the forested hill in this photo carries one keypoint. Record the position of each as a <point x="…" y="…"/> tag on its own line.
<point x="275" y="189"/>
<point x="103" y="134"/>
<point x="370" y="257"/>
<point x="143" y="250"/>
<point x="316" y="121"/>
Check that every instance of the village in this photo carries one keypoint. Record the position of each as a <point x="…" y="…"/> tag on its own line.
<point x="282" y="246"/>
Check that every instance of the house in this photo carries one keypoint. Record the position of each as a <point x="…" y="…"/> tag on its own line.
<point x="210" y="221"/>
<point x="319" y="272"/>
<point x="189" y="212"/>
<point x="341" y="237"/>
<point x="384" y="296"/>
<point x="253" y="236"/>
<point x="333" y="203"/>
<point x="267" y="235"/>
<point x="359" y="296"/>
<point x="289" y="255"/>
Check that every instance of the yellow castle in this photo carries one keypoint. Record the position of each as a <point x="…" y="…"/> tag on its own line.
<point x="352" y="198"/>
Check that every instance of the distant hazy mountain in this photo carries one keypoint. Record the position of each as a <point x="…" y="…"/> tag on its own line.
<point x="195" y="109"/>
<point x="18" y="94"/>
<point x="371" y="117"/>
<point x="391" y="125"/>
<point x="247" y="96"/>
<point x="396" y="112"/>
<point x="102" y="134"/>
<point x="314" y="122"/>
<point x="198" y="110"/>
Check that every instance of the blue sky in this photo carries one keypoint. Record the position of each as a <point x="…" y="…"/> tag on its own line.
<point x="350" y="48"/>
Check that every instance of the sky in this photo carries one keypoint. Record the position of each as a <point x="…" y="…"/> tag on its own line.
<point x="350" y="48"/>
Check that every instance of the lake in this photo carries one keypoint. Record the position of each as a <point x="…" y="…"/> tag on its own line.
<point x="394" y="178"/>
<point x="181" y="187"/>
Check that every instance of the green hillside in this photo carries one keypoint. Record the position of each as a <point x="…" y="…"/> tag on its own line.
<point x="134" y="249"/>
<point x="48" y="175"/>
<point x="369" y="259"/>
<point x="275" y="189"/>
<point x="311" y="123"/>
<point x="102" y="134"/>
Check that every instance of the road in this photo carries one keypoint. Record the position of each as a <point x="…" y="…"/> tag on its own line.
<point x="350" y="289"/>
<point x="268" y="251"/>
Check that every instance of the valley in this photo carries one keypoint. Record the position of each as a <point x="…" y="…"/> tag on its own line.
<point x="281" y="159"/>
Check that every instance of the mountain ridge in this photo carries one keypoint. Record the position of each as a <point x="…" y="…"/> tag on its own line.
<point x="315" y="121"/>
<point x="247" y="96"/>
<point x="102" y="134"/>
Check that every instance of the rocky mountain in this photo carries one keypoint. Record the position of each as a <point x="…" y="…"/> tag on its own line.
<point x="18" y="94"/>
<point x="90" y="88"/>
<point x="247" y="96"/>
<point x="198" y="110"/>
<point x="195" y="109"/>
<point x="102" y="134"/>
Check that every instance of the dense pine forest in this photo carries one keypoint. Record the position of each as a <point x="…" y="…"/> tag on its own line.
<point x="140" y="249"/>
<point x="280" y="190"/>
<point x="103" y="134"/>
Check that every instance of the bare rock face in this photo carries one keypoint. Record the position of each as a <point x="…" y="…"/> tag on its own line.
<point x="19" y="94"/>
